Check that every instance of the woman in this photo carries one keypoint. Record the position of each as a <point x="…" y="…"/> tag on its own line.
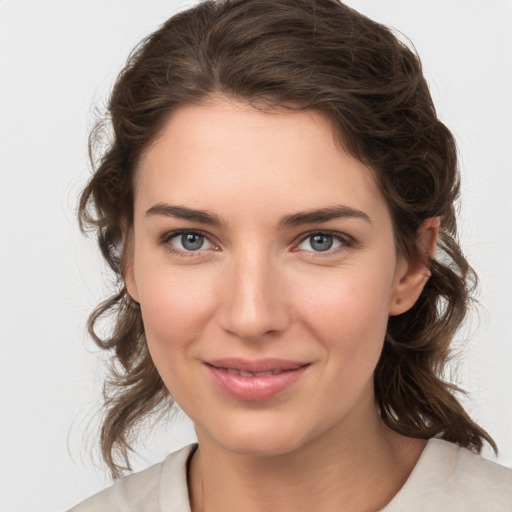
<point x="278" y="204"/>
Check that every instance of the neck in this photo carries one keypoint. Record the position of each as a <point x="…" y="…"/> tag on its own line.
<point x="362" y="467"/>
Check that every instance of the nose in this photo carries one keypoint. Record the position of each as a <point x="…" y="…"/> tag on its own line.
<point x="254" y="301"/>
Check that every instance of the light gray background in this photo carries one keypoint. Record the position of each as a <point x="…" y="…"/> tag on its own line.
<point x="58" y="60"/>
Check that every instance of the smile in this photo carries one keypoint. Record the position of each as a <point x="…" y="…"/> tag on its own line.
<point x="254" y="380"/>
<point x="242" y="373"/>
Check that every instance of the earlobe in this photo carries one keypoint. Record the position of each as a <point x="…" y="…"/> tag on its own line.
<point x="412" y="274"/>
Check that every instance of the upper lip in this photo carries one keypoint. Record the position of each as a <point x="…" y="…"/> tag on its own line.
<point x="255" y="366"/>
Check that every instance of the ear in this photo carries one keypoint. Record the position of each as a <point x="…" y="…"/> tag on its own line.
<point x="412" y="274"/>
<point x="127" y="267"/>
<point x="129" y="282"/>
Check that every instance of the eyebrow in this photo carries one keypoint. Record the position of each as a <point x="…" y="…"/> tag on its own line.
<point x="295" y="219"/>
<point x="323" y="215"/>
<point x="181" y="212"/>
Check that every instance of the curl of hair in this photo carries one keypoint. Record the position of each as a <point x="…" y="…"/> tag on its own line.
<point x="301" y="55"/>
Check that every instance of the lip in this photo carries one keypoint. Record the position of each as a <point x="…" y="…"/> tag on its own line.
<point x="255" y="366"/>
<point x="281" y="375"/>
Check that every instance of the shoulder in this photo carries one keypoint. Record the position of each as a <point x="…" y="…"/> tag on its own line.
<point x="448" y="477"/>
<point x="143" y="492"/>
<point x="474" y="470"/>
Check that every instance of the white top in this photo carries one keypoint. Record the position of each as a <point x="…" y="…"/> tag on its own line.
<point x="445" y="478"/>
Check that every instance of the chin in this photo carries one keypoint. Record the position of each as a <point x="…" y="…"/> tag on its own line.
<point x="261" y="446"/>
<point x="261" y="437"/>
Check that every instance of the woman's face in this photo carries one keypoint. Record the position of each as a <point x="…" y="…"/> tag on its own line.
<point x="265" y="266"/>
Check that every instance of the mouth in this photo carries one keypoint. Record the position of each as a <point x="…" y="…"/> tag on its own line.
<point x="255" y="367"/>
<point x="242" y="373"/>
<point x="254" y="380"/>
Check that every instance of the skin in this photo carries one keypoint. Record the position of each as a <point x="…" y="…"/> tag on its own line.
<point x="257" y="289"/>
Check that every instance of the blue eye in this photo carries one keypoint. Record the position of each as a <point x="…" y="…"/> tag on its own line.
<point x="189" y="241"/>
<point x="192" y="241"/>
<point x="322" y="242"/>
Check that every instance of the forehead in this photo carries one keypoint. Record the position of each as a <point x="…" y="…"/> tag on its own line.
<point x="229" y="154"/>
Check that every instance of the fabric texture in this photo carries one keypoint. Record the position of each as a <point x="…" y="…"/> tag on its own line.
<point x="445" y="478"/>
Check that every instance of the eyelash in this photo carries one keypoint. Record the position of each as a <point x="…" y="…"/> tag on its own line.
<point x="167" y="237"/>
<point x="345" y="242"/>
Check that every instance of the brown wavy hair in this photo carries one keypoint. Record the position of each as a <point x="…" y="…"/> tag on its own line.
<point x="315" y="55"/>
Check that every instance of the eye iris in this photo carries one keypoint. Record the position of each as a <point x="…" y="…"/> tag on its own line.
<point x="321" y="242"/>
<point x="192" y="241"/>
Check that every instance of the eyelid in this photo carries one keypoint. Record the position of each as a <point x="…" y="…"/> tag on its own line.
<point x="169" y="235"/>
<point x="346" y="240"/>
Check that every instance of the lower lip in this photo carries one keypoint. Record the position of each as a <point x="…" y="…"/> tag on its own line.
<point x="254" y="388"/>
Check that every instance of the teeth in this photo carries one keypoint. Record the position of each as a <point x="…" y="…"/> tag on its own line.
<point x="243" y="373"/>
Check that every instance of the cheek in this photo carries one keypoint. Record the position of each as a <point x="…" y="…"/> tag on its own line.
<point x="347" y="311"/>
<point x="176" y="304"/>
<point x="175" y="310"/>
